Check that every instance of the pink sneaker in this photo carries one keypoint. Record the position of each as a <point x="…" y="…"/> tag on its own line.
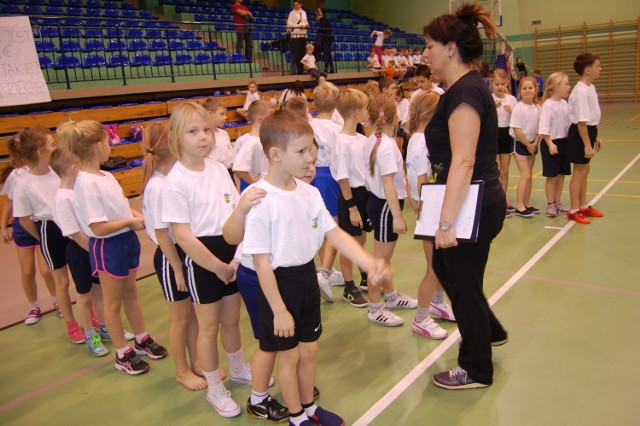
<point x="33" y="316"/>
<point x="441" y="310"/>
<point x="74" y="333"/>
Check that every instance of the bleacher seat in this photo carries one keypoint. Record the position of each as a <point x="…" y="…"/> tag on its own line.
<point x="160" y="59"/>
<point x="93" y="46"/>
<point x="237" y="58"/>
<point x="184" y="59"/>
<point x="94" y="12"/>
<point x="177" y="45"/>
<point x="115" y="45"/>
<point x="54" y="10"/>
<point x="220" y="58"/>
<point x="129" y="14"/>
<point x="46" y="46"/>
<point x="93" y="61"/>
<point x="189" y="34"/>
<point x="32" y="9"/>
<point x="111" y="13"/>
<point x="67" y="61"/>
<point x="194" y="45"/>
<point x="45" y="62"/>
<point x="115" y="32"/>
<point x="173" y="33"/>
<point x="73" y="21"/>
<point x="70" y="46"/>
<point x="75" y="3"/>
<point x="155" y="45"/>
<point x="93" y="32"/>
<point x="49" y="32"/>
<point x="202" y="58"/>
<point x="154" y="33"/>
<point x="138" y="45"/>
<point x="134" y="33"/>
<point x="70" y="32"/>
<point x="94" y="3"/>
<point x="145" y="14"/>
<point x="140" y="60"/>
<point x="118" y="60"/>
<point x="56" y="2"/>
<point x="74" y="11"/>
<point x="10" y="9"/>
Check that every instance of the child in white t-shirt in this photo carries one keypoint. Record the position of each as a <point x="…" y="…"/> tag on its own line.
<point x="252" y="96"/>
<point x="309" y="62"/>
<point x="221" y="150"/>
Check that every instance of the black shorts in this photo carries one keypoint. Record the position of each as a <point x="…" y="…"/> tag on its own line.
<point x="558" y="164"/>
<point x="80" y="268"/>
<point x="575" y="146"/>
<point x="52" y="244"/>
<point x="360" y="196"/>
<point x="521" y="150"/>
<point x="506" y="144"/>
<point x="167" y="278"/>
<point x="382" y="219"/>
<point x="204" y="286"/>
<point x="298" y="287"/>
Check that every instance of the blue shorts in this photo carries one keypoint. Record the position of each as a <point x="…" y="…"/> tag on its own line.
<point x="167" y="278"/>
<point x="329" y="189"/>
<point x="80" y="268"/>
<point x="243" y="185"/>
<point x="382" y="219"/>
<point x="115" y="256"/>
<point x="248" y="286"/>
<point x="522" y="151"/>
<point x="52" y="244"/>
<point x="21" y="237"/>
<point x="558" y="164"/>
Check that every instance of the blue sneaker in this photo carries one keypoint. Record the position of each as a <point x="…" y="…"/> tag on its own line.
<point x="323" y="417"/>
<point x="95" y="345"/>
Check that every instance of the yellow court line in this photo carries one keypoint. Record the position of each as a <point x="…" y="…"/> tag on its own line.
<point x="634" y="118"/>
<point x="609" y="180"/>
<point x="595" y="193"/>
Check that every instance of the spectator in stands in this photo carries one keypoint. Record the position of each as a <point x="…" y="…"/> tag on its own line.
<point x="373" y="63"/>
<point x="324" y="38"/>
<point x="297" y="26"/>
<point x="380" y="37"/>
<point x="309" y="62"/>
<point x="242" y="17"/>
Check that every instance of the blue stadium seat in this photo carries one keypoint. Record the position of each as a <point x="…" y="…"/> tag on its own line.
<point x="154" y="33"/>
<point x="93" y="46"/>
<point x="115" y="45"/>
<point x="31" y="9"/>
<point x="115" y="32"/>
<point x="129" y="14"/>
<point x="237" y="58"/>
<point x="93" y="61"/>
<point x="75" y="3"/>
<point x="138" y="45"/>
<point x="93" y="3"/>
<point x="160" y="59"/>
<point x="220" y="58"/>
<point x="75" y="11"/>
<point x="67" y="61"/>
<point x="49" y="32"/>
<point x="111" y="13"/>
<point x="70" y="46"/>
<point x="131" y="23"/>
<point x="118" y="60"/>
<point x="46" y="46"/>
<point x="73" y="21"/>
<point x="338" y="56"/>
<point x="184" y="59"/>
<point x="173" y="34"/>
<point x="155" y="45"/>
<point x="194" y="45"/>
<point x="70" y="32"/>
<point x="134" y="33"/>
<point x="140" y="60"/>
<point x="10" y="9"/>
<point x="93" y="32"/>
<point x="56" y="2"/>
<point x="202" y="58"/>
<point x="54" y="10"/>
<point x="150" y="24"/>
<point x="45" y="62"/>
<point x="94" y="12"/>
<point x="177" y="45"/>
<point x="145" y="14"/>
<point x="189" y="34"/>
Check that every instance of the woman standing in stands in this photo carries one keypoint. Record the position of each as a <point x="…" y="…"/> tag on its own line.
<point x="297" y="25"/>
<point x="462" y="139"/>
<point x="324" y="38"/>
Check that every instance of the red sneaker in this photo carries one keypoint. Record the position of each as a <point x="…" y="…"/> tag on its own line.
<point x="578" y="217"/>
<point x="591" y="212"/>
<point x="74" y="333"/>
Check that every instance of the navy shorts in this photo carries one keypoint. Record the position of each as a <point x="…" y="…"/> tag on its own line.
<point x="21" y="237"/>
<point x="52" y="244"/>
<point x="575" y="146"/>
<point x="115" y="256"/>
<point x="360" y="196"/>
<point x="382" y="219"/>
<point x="298" y="286"/>
<point x="204" y="286"/>
<point x="329" y="189"/>
<point x="506" y="144"/>
<point x="167" y="278"/>
<point x="558" y="164"/>
<point x="80" y="268"/>
<point x="521" y="150"/>
<point x="248" y="286"/>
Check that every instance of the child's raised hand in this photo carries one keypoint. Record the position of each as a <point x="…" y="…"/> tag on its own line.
<point x="137" y="224"/>
<point x="250" y="198"/>
<point x="283" y="324"/>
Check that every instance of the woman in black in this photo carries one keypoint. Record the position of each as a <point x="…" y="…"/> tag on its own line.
<point x="322" y="45"/>
<point x="461" y="138"/>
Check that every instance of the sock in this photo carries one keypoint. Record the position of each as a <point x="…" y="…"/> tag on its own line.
<point x="88" y="334"/>
<point x="258" y="397"/>
<point x="422" y="314"/>
<point x="120" y="352"/>
<point x="54" y="300"/>
<point x="584" y="207"/>
<point x="236" y="362"/>
<point x="34" y="304"/>
<point x="374" y="307"/>
<point x="573" y="211"/>
<point x="310" y="408"/>
<point x="325" y="272"/>
<point x="103" y="327"/>
<point x="438" y="297"/>
<point x="390" y="297"/>
<point x="551" y="203"/>
<point x="140" y="337"/>
<point x="297" y="418"/>
<point x="349" y="285"/>
<point x="213" y="379"/>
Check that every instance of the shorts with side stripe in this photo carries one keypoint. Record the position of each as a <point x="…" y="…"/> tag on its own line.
<point x="52" y="244"/>
<point x="80" y="268"/>
<point x="204" y="286"/>
<point x="382" y="219"/>
<point x="167" y="278"/>
<point x="21" y="237"/>
<point x="116" y="256"/>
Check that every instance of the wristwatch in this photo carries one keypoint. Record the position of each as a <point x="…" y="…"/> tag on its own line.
<point x="445" y="226"/>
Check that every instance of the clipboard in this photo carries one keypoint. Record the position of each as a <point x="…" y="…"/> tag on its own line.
<point x="430" y="205"/>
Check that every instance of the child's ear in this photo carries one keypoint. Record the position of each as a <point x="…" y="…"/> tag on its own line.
<point x="274" y="153"/>
<point x="75" y="169"/>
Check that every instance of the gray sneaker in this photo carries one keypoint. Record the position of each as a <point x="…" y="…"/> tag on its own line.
<point x="552" y="210"/>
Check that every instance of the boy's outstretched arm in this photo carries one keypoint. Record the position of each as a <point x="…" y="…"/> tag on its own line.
<point x="283" y="324"/>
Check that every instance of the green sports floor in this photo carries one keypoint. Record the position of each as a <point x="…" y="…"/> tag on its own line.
<point x="568" y="294"/>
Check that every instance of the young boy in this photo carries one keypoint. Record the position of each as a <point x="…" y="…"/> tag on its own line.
<point x="422" y="79"/>
<point x="283" y="235"/>
<point x="250" y="164"/>
<point x="584" y="142"/>
<point x="373" y="63"/>
<point x="309" y="61"/>
<point x="221" y="149"/>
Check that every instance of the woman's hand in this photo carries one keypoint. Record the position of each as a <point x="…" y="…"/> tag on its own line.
<point x="446" y="239"/>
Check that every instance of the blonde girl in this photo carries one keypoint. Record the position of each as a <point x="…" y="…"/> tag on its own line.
<point x="554" y="129"/>
<point x="104" y="215"/>
<point x="384" y="174"/>
<point x="524" y="129"/>
<point x="198" y="195"/>
<point x="33" y="206"/>
<point x="430" y="293"/>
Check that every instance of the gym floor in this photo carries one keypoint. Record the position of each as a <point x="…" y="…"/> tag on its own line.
<point x="568" y="294"/>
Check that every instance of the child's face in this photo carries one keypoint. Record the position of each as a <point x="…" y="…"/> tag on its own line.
<point x="499" y="87"/>
<point x="594" y="69"/>
<point x="423" y="83"/>
<point x="197" y="140"/>
<point x="297" y="159"/>
<point x="104" y="149"/>
<point x="309" y="50"/>
<point x="253" y="88"/>
<point x="372" y="53"/>
<point x="527" y="91"/>
<point x="311" y="173"/>
<point x="564" y="88"/>
<point x="219" y="116"/>
<point x="390" y="91"/>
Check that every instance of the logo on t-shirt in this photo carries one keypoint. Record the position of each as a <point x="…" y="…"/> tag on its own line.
<point x="227" y="197"/>
<point x="314" y="222"/>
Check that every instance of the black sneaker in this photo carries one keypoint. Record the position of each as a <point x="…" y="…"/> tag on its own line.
<point x="363" y="286"/>
<point x="131" y="364"/>
<point x="534" y="210"/>
<point x="150" y="348"/>
<point x="353" y="296"/>
<point x="316" y="393"/>
<point x="269" y="409"/>
<point x="524" y="213"/>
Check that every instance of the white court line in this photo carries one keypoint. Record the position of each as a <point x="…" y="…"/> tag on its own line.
<point x="554" y="227"/>
<point x="386" y="400"/>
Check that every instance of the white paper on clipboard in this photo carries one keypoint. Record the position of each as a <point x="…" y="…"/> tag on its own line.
<point x="466" y="225"/>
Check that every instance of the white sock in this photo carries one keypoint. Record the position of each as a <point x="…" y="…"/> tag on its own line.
<point x="325" y="272"/>
<point x="122" y="351"/>
<point x="34" y="304"/>
<point x="297" y="420"/>
<point x="236" y="361"/>
<point x="438" y="297"/>
<point x="391" y="296"/>
<point x="258" y="397"/>
<point x="422" y="314"/>
<point x="140" y="337"/>
<point x="310" y="411"/>
<point x="213" y="379"/>
<point x="375" y="307"/>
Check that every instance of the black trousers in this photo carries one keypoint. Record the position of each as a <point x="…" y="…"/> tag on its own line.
<point x="244" y="41"/>
<point x="322" y="51"/>
<point x="461" y="271"/>
<point x="298" y="50"/>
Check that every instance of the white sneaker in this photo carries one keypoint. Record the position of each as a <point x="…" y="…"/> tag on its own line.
<point x="325" y="288"/>
<point x="385" y="317"/>
<point x="336" y="277"/>
<point x="442" y="310"/>
<point x="221" y="400"/>
<point x="403" y="301"/>
<point x="429" y="328"/>
<point x="244" y="376"/>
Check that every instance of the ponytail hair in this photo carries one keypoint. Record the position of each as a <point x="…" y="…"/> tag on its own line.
<point x="421" y="110"/>
<point x="24" y="145"/>
<point x="552" y="83"/>
<point x="382" y="111"/>
<point x="155" y="150"/>
<point x="81" y="138"/>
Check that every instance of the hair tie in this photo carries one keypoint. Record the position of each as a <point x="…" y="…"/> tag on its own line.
<point x="150" y="151"/>
<point x="381" y="114"/>
<point x="379" y="140"/>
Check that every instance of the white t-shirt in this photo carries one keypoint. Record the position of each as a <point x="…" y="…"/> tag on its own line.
<point x="388" y="161"/>
<point x="99" y="198"/>
<point x="245" y="260"/>
<point x="326" y="132"/>
<point x="417" y="59"/>
<point x="237" y="145"/>
<point x="386" y="59"/>
<point x="554" y="119"/>
<point x="379" y="38"/>
<point x="9" y="186"/>
<point x="504" y="117"/>
<point x="403" y="110"/>
<point x="373" y="62"/>
<point x="310" y="61"/>
<point x="251" y="97"/>
<point x="63" y="213"/>
<point x="439" y="90"/>
<point x="416" y="93"/>
<point x="288" y="94"/>
<point x="203" y="199"/>
<point x="32" y="196"/>
<point x="337" y="118"/>
<point x="417" y="162"/>
<point x="584" y="105"/>
<point x="526" y="117"/>
<point x="295" y="20"/>
<point x="152" y="206"/>
<point x="289" y="225"/>
<point x="221" y="150"/>
<point x="348" y="159"/>
<point x="250" y="158"/>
